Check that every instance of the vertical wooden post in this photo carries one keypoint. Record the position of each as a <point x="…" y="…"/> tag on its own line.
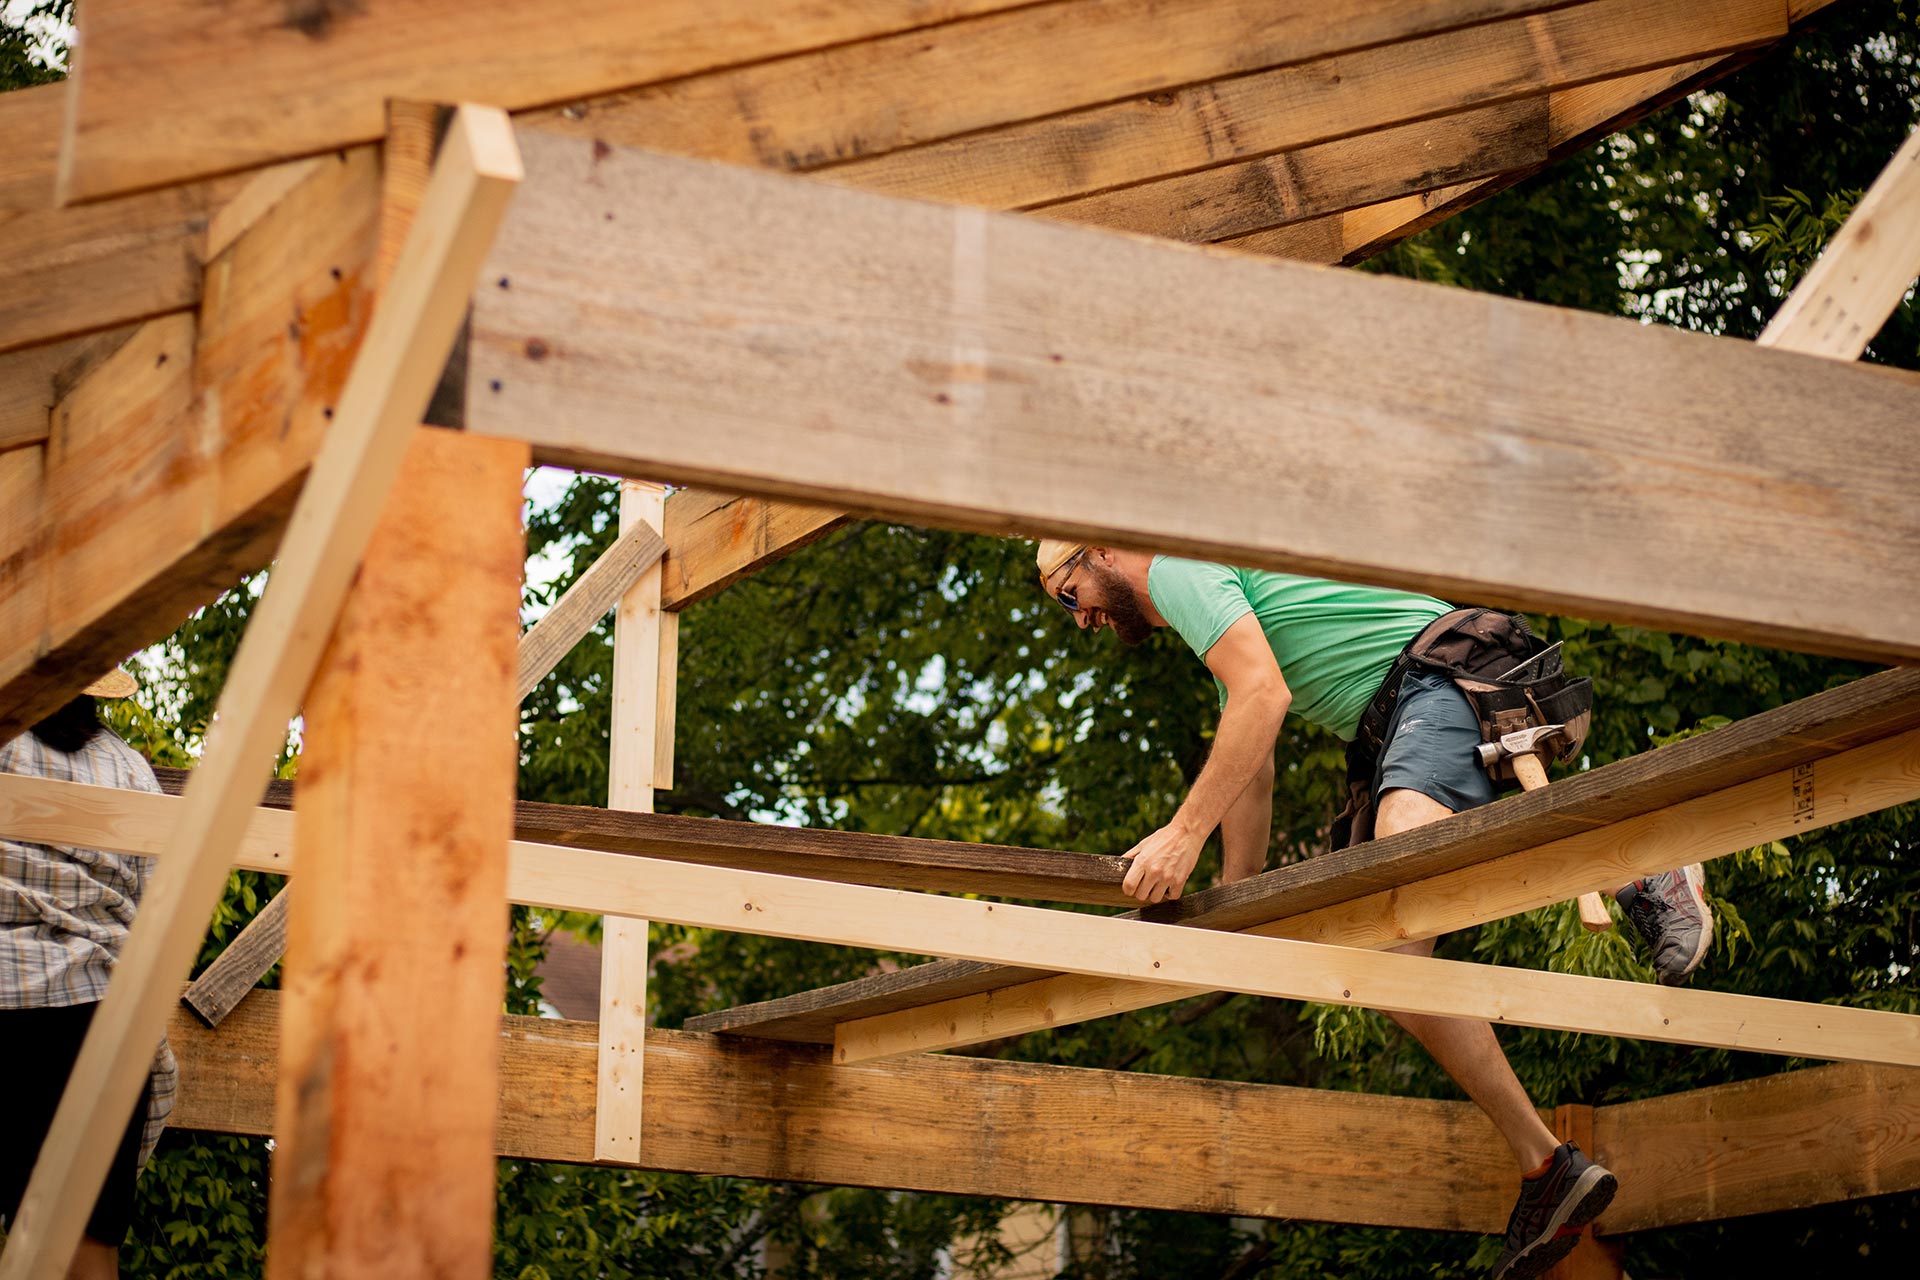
<point x="388" y="1089"/>
<point x="639" y="677"/>
<point x="1593" y="1258"/>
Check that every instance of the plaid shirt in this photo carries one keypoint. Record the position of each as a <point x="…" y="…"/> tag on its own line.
<point x="65" y="911"/>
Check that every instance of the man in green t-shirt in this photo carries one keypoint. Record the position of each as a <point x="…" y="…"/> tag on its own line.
<point x="1279" y="643"/>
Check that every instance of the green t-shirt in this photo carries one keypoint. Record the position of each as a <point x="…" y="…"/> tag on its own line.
<point x="1333" y="640"/>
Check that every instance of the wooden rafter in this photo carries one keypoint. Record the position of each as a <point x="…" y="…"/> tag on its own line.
<point x="951" y="321"/>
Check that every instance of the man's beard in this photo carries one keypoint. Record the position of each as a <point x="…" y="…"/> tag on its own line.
<point x="1123" y="605"/>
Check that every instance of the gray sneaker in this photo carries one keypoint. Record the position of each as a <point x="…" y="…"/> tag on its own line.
<point x="1670" y="911"/>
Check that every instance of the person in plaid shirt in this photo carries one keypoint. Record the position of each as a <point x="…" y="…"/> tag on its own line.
<point x="64" y="917"/>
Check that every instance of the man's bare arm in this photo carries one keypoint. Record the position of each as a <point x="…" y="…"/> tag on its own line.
<point x="1247" y="829"/>
<point x="1257" y="702"/>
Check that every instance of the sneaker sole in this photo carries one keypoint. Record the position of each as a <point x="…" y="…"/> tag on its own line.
<point x="1694" y="876"/>
<point x="1591" y="1194"/>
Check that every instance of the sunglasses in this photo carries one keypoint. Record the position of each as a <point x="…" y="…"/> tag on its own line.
<point x="1068" y="598"/>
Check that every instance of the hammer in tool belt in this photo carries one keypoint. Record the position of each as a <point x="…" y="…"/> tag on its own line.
<point x="1526" y="751"/>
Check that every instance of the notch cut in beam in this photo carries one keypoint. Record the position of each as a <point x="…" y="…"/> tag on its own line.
<point x="407" y="344"/>
<point x="985" y="344"/>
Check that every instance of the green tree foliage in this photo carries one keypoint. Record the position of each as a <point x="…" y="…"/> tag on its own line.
<point x="32" y="44"/>
<point x="916" y="682"/>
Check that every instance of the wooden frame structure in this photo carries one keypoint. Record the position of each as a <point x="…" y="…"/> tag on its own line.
<point x="233" y="308"/>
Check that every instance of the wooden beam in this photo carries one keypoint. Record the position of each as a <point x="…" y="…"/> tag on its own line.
<point x="965" y="1126"/>
<point x="390" y="1024"/>
<point x="1863" y="780"/>
<point x="632" y="737"/>
<point x="1862" y="274"/>
<point x="63" y="813"/>
<point x="407" y="345"/>
<point x="1592" y="1258"/>
<point x="585" y="603"/>
<point x="863" y="99"/>
<point x="1325" y="178"/>
<point x="1770" y="1145"/>
<point x="715" y="539"/>
<point x="233" y="974"/>
<point x="1786" y="739"/>
<point x="1201" y="125"/>
<point x="156" y="101"/>
<point x="151" y="509"/>
<point x="1586" y="425"/>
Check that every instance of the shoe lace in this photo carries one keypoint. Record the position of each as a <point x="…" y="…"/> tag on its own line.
<point x="1647" y="911"/>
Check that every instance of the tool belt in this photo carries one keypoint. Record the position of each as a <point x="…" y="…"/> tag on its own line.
<point x="1509" y="676"/>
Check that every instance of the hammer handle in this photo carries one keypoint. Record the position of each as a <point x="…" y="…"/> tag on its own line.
<point x="1593" y="908"/>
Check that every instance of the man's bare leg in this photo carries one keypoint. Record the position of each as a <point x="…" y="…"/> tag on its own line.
<point x="1467" y="1051"/>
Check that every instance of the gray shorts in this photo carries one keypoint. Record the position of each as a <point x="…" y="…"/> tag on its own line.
<point x="1432" y="743"/>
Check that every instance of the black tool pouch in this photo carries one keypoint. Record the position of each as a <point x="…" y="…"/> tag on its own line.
<point x="1511" y="679"/>
<point x="1354" y="824"/>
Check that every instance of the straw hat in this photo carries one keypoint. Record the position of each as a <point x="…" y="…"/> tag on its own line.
<point x="1053" y="553"/>
<point x="117" y="683"/>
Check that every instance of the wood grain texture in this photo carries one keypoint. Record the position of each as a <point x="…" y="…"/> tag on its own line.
<point x="168" y="90"/>
<point x="862" y="99"/>
<point x="390" y="1025"/>
<point x="960" y="1125"/>
<point x="384" y="393"/>
<point x="149" y="515"/>
<point x="584" y="603"/>
<point x="1206" y="124"/>
<point x="1292" y="186"/>
<point x="848" y="857"/>
<point x="714" y="539"/>
<point x="233" y="974"/>
<point x="924" y="363"/>
<point x="1866" y="711"/>
<point x="1761" y="1146"/>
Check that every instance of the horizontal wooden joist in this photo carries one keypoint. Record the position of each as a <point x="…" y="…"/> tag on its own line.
<point x="1064" y="1134"/>
<point x="848" y="857"/>
<point x="1762" y="1146"/>
<point x="1790" y="739"/>
<point x="928" y="363"/>
<point x="961" y="1125"/>
<point x="1068" y="942"/>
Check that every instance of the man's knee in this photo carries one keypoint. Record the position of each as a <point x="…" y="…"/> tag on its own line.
<point x="1403" y="809"/>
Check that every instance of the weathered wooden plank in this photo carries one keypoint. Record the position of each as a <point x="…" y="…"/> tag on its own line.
<point x="1292" y="186"/>
<point x="1783" y="739"/>
<point x="962" y="1125"/>
<point x="390" y="1024"/>
<point x="223" y="984"/>
<point x="1762" y="1146"/>
<point x="1206" y="124"/>
<point x="926" y="363"/>
<point x="862" y="99"/>
<point x="847" y="857"/>
<point x="166" y="92"/>
<point x="586" y="602"/>
<point x="384" y="392"/>
<point x="149" y="515"/>
<point x="715" y="539"/>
